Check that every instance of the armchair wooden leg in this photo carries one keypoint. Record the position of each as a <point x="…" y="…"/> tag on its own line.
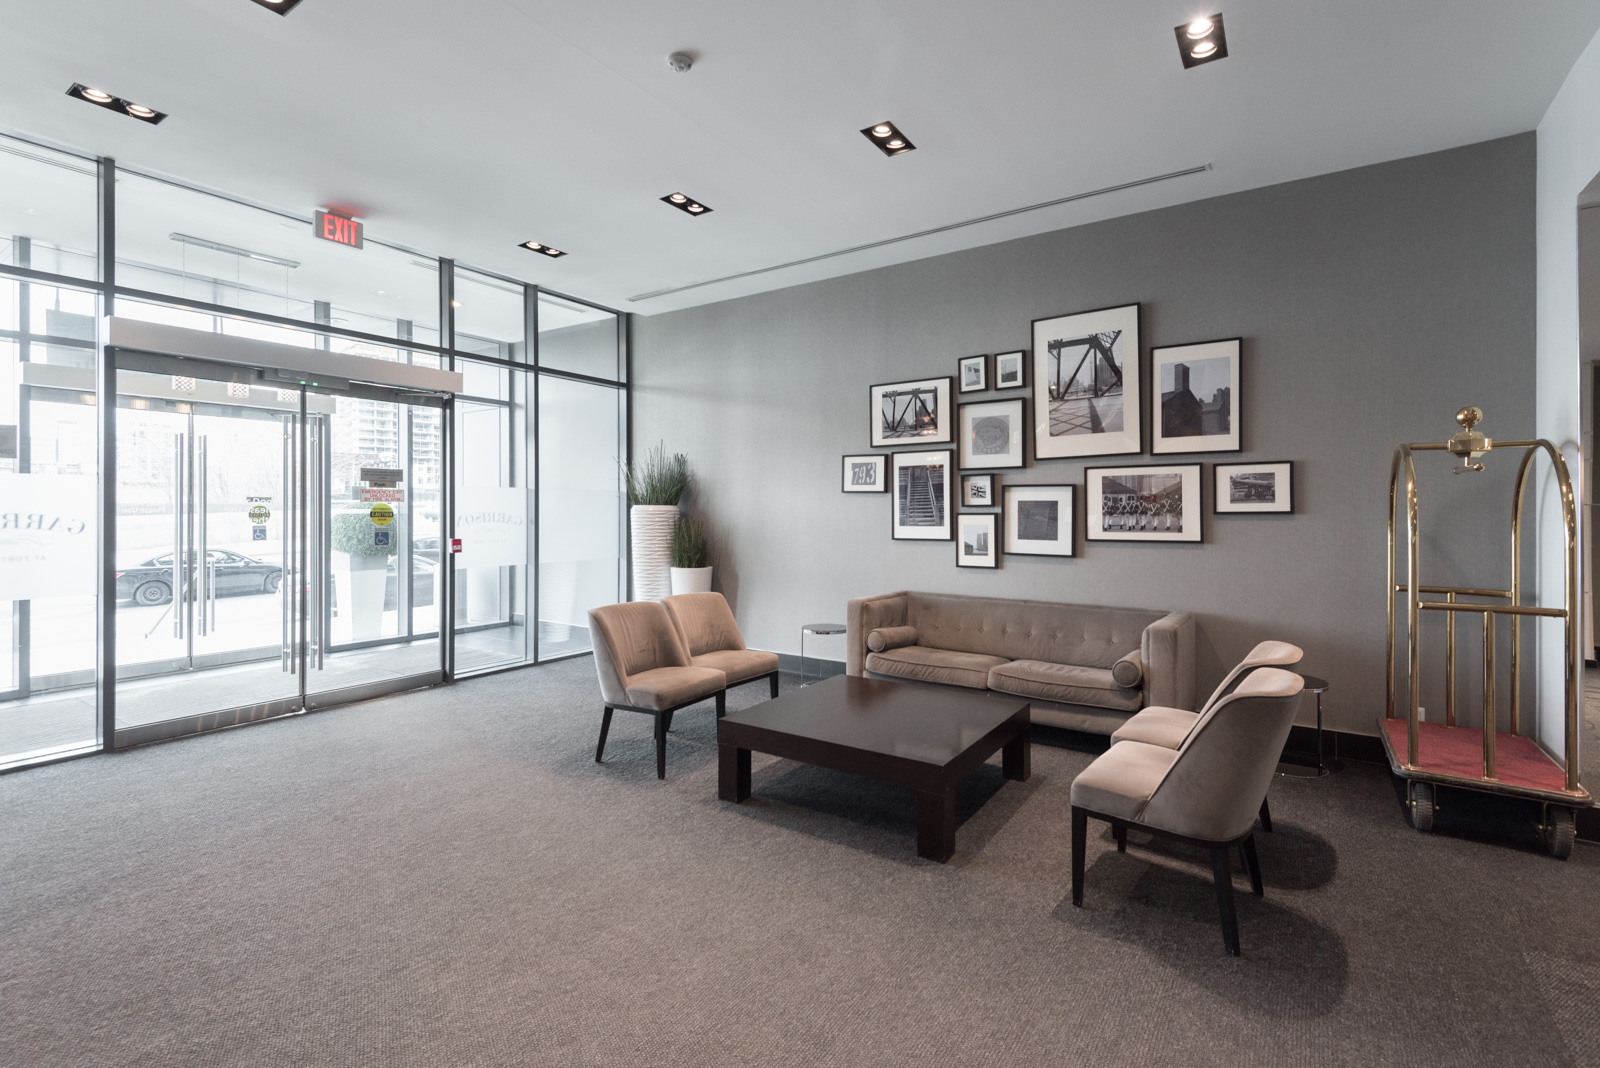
<point x="722" y="703"/>
<point x="605" y="727"/>
<point x="774" y="684"/>
<point x="1222" y="872"/>
<point x="1252" y="865"/>
<point x="1119" y="831"/>
<point x="668" y="717"/>
<point x="1266" y="817"/>
<point x="661" y="745"/>
<point x="1080" y="832"/>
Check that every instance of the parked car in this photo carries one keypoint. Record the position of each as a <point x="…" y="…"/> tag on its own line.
<point x="150" y="583"/>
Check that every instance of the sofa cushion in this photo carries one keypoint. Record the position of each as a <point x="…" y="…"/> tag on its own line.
<point x="1067" y="683"/>
<point x="1129" y="671"/>
<point x="891" y="638"/>
<point x="1027" y="630"/>
<point x="668" y="687"/>
<point x="921" y="664"/>
<point x="738" y="664"/>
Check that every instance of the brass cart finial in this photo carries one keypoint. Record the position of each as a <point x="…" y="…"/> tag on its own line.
<point x="1469" y="444"/>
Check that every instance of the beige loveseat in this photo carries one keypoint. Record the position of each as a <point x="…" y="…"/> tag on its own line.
<point x="1084" y="667"/>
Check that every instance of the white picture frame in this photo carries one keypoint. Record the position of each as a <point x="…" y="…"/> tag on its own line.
<point x="865" y="473"/>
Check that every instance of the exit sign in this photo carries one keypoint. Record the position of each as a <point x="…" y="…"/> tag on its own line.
<point x="338" y="229"/>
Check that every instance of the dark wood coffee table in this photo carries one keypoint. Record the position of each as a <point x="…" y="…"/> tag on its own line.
<point x="926" y="737"/>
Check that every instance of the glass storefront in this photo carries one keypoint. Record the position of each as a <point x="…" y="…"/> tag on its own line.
<point x="252" y="576"/>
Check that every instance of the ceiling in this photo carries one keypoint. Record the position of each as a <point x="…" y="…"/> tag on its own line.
<point x="467" y="127"/>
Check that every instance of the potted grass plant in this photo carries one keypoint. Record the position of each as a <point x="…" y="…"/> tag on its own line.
<point x="655" y="486"/>
<point x="691" y="558"/>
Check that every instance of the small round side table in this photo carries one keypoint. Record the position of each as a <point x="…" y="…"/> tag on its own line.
<point x="1318" y="687"/>
<point x="815" y="628"/>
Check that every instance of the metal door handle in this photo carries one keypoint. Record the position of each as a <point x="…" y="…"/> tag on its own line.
<point x="177" y="536"/>
<point x="202" y="568"/>
<point x="319" y="541"/>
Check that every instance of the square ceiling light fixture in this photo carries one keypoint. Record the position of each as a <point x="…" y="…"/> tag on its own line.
<point x="282" y="7"/>
<point x="101" y="98"/>
<point x="888" y="138"/>
<point x="535" y="246"/>
<point x="1201" y="41"/>
<point x="687" y="204"/>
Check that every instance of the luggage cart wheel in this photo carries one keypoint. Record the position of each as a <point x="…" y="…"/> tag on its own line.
<point x="1422" y="806"/>
<point x="1559" y="831"/>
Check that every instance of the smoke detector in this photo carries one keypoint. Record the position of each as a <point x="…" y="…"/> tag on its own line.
<point x="680" y="62"/>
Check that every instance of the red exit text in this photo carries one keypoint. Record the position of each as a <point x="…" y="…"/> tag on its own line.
<point x="338" y="229"/>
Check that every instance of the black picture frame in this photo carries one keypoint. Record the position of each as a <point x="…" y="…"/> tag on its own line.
<point x="1192" y="476"/>
<point x="990" y="535"/>
<point x="942" y="413"/>
<point x="1001" y="361"/>
<point x="1231" y="440"/>
<point x="1065" y="544"/>
<point x="942" y="496"/>
<point x="846" y="471"/>
<point x="1016" y="455"/>
<point x="970" y="481"/>
<point x="967" y="363"/>
<point x="1222" y="495"/>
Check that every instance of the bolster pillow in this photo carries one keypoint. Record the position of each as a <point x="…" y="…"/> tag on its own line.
<point x="891" y="638"/>
<point x="1129" y="671"/>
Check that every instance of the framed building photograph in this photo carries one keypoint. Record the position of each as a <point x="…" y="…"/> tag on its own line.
<point x="977" y="491"/>
<point x="921" y="486"/>
<point x="972" y="374"/>
<point x="1148" y="502"/>
<point x="866" y="474"/>
<point x="1086" y="395"/>
<point x="992" y="433"/>
<point x="1195" y="406"/>
<point x="977" y="540"/>
<point x="1258" y="487"/>
<point x="1010" y="370"/>
<point x="912" y="413"/>
<point x="1040" y="520"/>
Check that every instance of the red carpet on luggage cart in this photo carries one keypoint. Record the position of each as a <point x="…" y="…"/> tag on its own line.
<point x="1442" y="750"/>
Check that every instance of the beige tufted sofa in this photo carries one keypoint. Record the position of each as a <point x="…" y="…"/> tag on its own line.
<point x="1084" y="667"/>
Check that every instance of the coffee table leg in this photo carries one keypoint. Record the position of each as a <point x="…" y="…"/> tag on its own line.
<point x="733" y="773"/>
<point x="936" y="825"/>
<point x="1016" y="758"/>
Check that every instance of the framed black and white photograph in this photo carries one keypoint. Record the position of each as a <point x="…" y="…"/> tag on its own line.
<point x="977" y="539"/>
<point x="1040" y="520"/>
<point x="1148" y="502"/>
<point x="1196" y="402"/>
<point x="1086" y="395"/>
<point x="912" y="413"/>
<point x="1258" y="487"/>
<point x="1010" y="370"/>
<point x="977" y="491"/>
<point x="992" y="433"/>
<point x="921" y="485"/>
<point x="972" y="374"/>
<point x="866" y="474"/>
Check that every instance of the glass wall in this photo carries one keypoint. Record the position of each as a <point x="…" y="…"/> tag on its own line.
<point x="540" y="420"/>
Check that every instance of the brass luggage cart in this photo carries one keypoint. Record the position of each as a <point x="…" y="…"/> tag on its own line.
<point x="1509" y="763"/>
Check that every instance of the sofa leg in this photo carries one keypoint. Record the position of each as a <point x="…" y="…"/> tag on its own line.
<point x="1252" y="865"/>
<point x="1222" y="872"/>
<point x="1266" y="817"/>
<point x="1119" y="831"/>
<point x="605" y="728"/>
<point x="722" y="703"/>
<point x="1080" y="831"/>
<point x="774" y="681"/>
<point x="661" y="745"/>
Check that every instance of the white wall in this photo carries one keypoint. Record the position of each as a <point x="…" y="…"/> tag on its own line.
<point x="1568" y="160"/>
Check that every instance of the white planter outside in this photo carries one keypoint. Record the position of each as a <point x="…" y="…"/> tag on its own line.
<point x="359" y="583"/>
<point x="691" y="580"/>
<point x="651" y="527"/>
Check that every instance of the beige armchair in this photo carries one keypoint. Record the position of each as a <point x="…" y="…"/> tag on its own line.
<point x="1205" y="793"/>
<point x="644" y="667"/>
<point x="706" y="626"/>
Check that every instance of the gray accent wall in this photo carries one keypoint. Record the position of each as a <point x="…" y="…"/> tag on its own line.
<point x="1373" y="303"/>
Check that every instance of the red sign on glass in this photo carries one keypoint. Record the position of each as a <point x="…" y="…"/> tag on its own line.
<point x="338" y="229"/>
<point x="455" y="545"/>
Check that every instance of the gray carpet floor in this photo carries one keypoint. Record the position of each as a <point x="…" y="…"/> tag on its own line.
<point x="446" y="878"/>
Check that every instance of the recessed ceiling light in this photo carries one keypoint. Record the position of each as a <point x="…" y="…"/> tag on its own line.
<point x="282" y="7"/>
<point x="888" y="138"/>
<point x="537" y="246"/>
<point x="1201" y="41"/>
<point x="683" y="203"/>
<point x="101" y="98"/>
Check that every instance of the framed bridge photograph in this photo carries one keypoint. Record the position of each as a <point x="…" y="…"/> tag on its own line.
<point x="912" y="413"/>
<point x="922" y="504"/>
<point x="1086" y="392"/>
<point x="1195" y="401"/>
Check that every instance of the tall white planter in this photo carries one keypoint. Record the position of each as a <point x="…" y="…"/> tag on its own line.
<point x="691" y="580"/>
<point x="651" y="544"/>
